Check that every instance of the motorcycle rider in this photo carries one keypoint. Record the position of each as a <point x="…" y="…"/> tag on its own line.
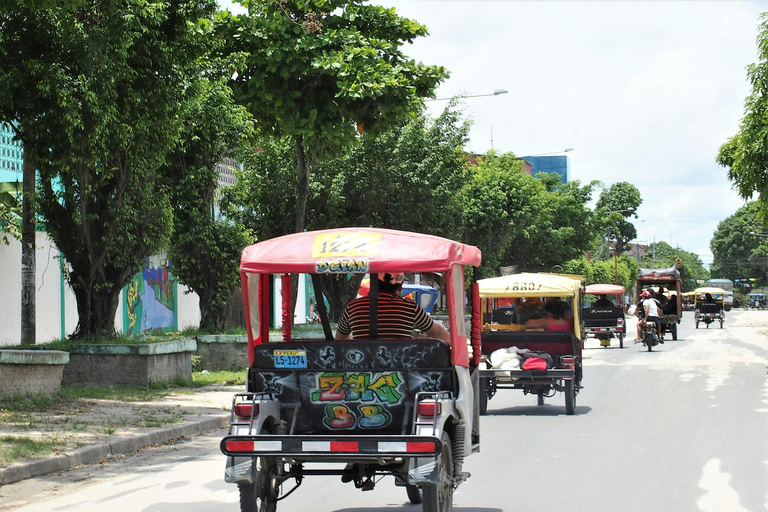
<point x="651" y="309"/>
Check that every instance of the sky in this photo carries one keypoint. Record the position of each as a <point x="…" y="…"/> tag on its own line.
<point x="643" y="91"/>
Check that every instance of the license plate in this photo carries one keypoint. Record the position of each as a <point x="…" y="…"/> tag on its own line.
<point x="290" y="358"/>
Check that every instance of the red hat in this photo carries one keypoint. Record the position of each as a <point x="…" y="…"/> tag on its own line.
<point x="645" y="293"/>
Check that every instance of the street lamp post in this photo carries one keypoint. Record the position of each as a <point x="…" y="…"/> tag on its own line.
<point x="566" y="150"/>
<point x="497" y="92"/>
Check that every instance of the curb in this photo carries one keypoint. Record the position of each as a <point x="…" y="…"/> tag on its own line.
<point x="96" y="452"/>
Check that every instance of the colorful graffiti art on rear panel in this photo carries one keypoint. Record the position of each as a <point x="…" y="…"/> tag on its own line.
<point x="150" y="303"/>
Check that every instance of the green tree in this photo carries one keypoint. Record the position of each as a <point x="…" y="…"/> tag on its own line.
<point x="738" y="253"/>
<point x="95" y="91"/>
<point x="616" y="205"/>
<point x="205" y="250"/>
<point x="746" y="153"/>
<point x="501" y="205"/>
<point x="518" y="220"/>
<point x="409" y="178"/>
<point x="320" y="71"/>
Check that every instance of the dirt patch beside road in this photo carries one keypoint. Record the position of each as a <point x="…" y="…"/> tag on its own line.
<point x="72" y="423"/>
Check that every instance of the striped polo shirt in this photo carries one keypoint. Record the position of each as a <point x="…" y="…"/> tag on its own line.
<point x="398" y="317"/>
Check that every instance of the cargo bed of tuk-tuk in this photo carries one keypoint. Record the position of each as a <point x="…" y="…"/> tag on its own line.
<point x="563" y="347"/>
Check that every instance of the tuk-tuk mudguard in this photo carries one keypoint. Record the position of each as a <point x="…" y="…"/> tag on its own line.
<point x="242" y="469"/>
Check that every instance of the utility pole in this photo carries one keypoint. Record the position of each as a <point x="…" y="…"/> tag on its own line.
<point x="28" y="258"/>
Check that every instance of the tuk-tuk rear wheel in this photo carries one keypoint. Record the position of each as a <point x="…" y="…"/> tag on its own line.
<point x="439" y="497"/>
<point x="414" y="494"/>
<point x="570" y="397"/>
<point x="484" y="383"/>
<point x="258" y="497"/>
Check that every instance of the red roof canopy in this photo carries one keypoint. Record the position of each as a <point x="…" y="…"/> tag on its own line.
<point x="352" y="249"/>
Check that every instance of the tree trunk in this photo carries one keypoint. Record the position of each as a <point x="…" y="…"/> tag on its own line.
<point x="214" y="319"/>
<point x="96" y="309"/>
<point x="301" y="209"/>
<point x="28" y="259"/>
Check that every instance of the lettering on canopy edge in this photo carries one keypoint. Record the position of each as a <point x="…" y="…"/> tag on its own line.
<point x="341" y="266"/>
<point x="349" y="245"/>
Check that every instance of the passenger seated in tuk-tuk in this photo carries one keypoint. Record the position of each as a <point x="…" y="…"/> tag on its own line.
<point x="671" y="307"/>
<point x="531" y="308"/>
<point x="397" y="317"/>
<point x="603" y="302"/>
<point x="556" y="319"/>
<point x="709" y="299"/>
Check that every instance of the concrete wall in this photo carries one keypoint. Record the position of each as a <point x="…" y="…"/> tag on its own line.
<point x="56" y="308"/>
<point x="31" y="372"/>
<point x="107" y="365"/>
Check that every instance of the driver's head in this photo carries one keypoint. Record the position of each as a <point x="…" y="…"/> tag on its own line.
<point x="391" y="282"/>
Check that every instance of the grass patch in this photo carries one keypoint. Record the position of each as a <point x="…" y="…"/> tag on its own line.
<point x="21" y="403"/>
<point x="220" y="377"/>
<point x="14" y="448"/>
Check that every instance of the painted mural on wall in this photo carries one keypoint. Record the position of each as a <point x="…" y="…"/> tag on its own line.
<point x="150" y="299"/>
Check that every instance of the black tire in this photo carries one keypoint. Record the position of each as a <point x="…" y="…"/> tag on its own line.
<point x="256" y="497"/>
<point x="621" y="340"/>
<point x="570" y="397"/>
<point x="439" y="498"/>
<point x="674" y="332"/>
<point x="721" y="324"/>
<point x="697" y="325"/>
<point x="540" y="398"/>
<point x="414" y="494"/>
<point x="484" y="383"/>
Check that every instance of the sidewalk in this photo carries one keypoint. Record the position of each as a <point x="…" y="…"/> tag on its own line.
<point x="89" y="430"/>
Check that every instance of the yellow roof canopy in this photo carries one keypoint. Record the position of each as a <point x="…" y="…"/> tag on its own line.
<point x="529" y="285"/>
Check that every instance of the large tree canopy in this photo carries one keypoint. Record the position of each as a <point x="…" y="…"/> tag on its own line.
<point x="320" y="71"/>
<point x="616" y="205"/>
<point x="409" y="178"/>
<point x="746" y="153"/>
<point x="738" y="252"/>
<point x="95" y="91"/>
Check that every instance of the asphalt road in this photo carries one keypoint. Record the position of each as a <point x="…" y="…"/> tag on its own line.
<point x="682" y="428"/>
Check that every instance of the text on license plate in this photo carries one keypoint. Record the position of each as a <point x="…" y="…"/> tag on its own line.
<point x="290" y="358"/>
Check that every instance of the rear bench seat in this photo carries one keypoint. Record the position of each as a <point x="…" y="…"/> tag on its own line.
<point x="555" y="343"/>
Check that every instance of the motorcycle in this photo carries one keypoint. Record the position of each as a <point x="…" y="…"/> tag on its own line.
<point x="650" y="336"/>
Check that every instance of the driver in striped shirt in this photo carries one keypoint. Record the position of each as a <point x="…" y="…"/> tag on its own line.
<point x="397" y="316"/>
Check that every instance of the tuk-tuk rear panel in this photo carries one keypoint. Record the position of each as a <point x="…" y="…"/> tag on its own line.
<point x="351" y="387"/>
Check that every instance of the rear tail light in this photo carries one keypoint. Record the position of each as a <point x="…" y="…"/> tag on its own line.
<point x="568" y="361"/>
<point x="246" y="410"/>
<point x="429" y="409"/>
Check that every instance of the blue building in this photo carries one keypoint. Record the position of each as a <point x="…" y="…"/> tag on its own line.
<point x="549" y="164"/>
<point x="11" y="156"/>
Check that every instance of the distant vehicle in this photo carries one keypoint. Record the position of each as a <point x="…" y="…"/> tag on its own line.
<point x="709" y="312"/>
<point x="669" y="278"/>
<point x="755" y="301"/>
<point x="513" y="343"/>
<point x="605" y="323"/>
<point x="727" y="286"/>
